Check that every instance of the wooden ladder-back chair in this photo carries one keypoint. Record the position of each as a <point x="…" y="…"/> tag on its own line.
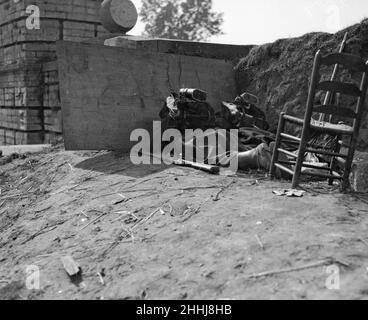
<point x="310" y="126"/>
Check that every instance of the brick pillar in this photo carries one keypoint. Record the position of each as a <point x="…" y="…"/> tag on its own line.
<point x="29" y="99"/>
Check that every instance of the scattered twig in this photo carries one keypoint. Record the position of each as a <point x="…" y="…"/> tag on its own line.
<point x="169" y="189"/>
<point x="23" y="180"/>
<point x="171" y="209"/>
<point x="85" y="214"/>
<point x="46" y="255"/>
<point x="31" y="165"/>
<point x="41" y="210"/>
<point x="125" y="213"/>
<point x="123" y="199"/>
<point x="130" y="233"/>
<point x="120" y="170"/>
<point x="43" y="231"/>
<point x="260" y="242"/>
<point x="217" y="197"/>
<point x="194" y="188"/>
<point x="288" y="270"/>
<point x="365" y="242"/>
<point x="101" y="278"/>
<point x="64" y="190"/>
<point x="149" y="194"/>
<point x="60" y="165"/>
<point x="80" y="189"/>
<point x="193" y="212"/>
<point x="129" y="188"/>
<point x="16" y="196"/>
<point x="361" y="198"/>
<point x="143" y="221"/>
<point x="111" y="245"/>
<point x="123" y="191"/>
<point x="93" y="221"/>
<point x="138" y="190"/>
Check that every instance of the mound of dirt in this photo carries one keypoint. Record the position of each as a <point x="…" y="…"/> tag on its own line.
<point x="279" y="72"/>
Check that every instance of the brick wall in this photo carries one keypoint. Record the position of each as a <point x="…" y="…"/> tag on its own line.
<point x="29" y="93"/>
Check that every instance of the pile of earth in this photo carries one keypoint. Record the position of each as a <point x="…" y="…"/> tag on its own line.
<point x="278" y="73"/>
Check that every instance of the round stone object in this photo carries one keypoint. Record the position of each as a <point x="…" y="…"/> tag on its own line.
<point x="118" y="16"/>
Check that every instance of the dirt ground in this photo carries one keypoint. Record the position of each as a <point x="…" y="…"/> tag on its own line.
<point x="155" y="232"/>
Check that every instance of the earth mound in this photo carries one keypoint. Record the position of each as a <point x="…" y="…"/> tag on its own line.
<point x="278" y="73"/>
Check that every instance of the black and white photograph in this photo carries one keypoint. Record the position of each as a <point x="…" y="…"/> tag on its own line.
<point x="196" y="152"/>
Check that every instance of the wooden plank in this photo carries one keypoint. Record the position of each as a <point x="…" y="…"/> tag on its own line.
<point x="305" y="165"/>
<point x="328" y="127"/>
<point x="321" y="175"/>
<point x="325" y="152"/>
<point x="345" y="88"/>
<point x="281" y="167"/>
<point x="329" y="96"/>
<point x="350" y="61"/>
<point x="335" y="110"/>
<point x="294" y="119"/>
<point x="288" y="153"/>
<point x="108" y="92"/>
<point x="290" y="137"/>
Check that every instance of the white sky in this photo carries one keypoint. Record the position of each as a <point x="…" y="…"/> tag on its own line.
<point x="261" y="21"/>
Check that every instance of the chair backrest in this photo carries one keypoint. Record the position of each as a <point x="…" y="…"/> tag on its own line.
<point x="349" y="62"/>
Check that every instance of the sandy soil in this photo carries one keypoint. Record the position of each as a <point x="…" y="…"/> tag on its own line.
<point x="172" y="233"/>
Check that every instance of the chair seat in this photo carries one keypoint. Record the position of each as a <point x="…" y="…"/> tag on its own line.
<point x="323" y="126"/>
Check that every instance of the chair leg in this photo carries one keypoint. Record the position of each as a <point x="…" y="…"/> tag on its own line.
<point x="349" y="161"/>
<point x="332" y="166"/>
<point x="275" y="154"/>
<point x="300" y="159"/>
<point x="333" y="160"/>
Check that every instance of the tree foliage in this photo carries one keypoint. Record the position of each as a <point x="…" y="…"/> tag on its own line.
<point x="181" y="19"/>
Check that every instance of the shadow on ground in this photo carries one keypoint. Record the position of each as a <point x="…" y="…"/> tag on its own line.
<point x="118" y="163"/>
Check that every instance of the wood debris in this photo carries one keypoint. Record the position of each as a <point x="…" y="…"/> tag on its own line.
<point x="260" y="242"/>
<point x="199" y="166"/>
<point x="217" y="197"/>
<point x="312" y="265"/>
<point x="93" y="221"/>
<point x="71" y="267"/>
<point x="101" y="277"/>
